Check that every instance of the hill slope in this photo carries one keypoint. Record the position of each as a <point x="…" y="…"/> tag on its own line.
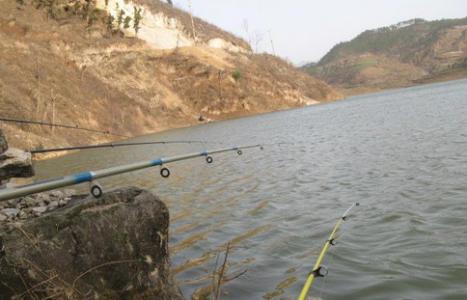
<point x="65" y="62"/>
<point x="397" y="56"/>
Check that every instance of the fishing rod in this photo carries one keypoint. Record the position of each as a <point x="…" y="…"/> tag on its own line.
<point x="76" y="127"/>
<point x="318" y="270"/>
<point x="111" y="145"/>
<point x="96" y="189"/>
<point x="115" y="145"/>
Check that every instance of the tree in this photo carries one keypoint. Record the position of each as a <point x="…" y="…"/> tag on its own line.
<point x="246" y="27"/>
<point x="120" y="18"/>
<point x="110" y="24"/>
<point x="137" y="16"/>
<point x="258" y="38"/>
<point x="237" y="75"/>
<point x="93" y="16"/>
<point x="126" y="22"/>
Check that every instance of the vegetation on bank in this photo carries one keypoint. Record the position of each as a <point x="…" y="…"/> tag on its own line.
<point x="87" y="10"/>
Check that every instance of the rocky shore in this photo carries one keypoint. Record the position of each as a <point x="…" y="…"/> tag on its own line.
<point x="59" y="245"/>
<point x="33" y="206"/>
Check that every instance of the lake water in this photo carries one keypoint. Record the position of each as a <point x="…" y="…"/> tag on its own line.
<point x="402" y="154"/>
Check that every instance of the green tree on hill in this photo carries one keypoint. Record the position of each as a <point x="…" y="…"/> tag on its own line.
<point x="137" y="16"/>
<point x="120" y="18"/>
<point x="126" y="22"/>
<point x="110" y="24"/>
<point x="93" y="15"/>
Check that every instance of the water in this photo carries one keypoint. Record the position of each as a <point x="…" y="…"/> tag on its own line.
<point x="402" y="154"/>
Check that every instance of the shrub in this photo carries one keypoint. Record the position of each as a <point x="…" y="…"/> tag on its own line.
<point x="237" y="75"/>
<point x="137" y="16"/>
<point x="110" y="24"/>
<point x="126" y="22"/>
<point x="120" y="16"/>
<point x="93" y="15"/>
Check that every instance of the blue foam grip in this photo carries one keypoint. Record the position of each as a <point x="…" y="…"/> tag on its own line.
<point x="83" y="177"/>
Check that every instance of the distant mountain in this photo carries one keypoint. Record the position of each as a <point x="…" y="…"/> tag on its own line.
<point x="400" y="55"/>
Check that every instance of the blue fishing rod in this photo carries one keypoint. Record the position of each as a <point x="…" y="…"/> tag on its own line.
<point x="91" y="176"/>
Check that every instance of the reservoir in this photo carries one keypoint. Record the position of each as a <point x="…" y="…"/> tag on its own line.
<point x="401" y="153"/>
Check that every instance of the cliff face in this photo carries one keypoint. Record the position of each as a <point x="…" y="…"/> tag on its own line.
<point x="61" y="65"/>
<point x="400" y="55"/>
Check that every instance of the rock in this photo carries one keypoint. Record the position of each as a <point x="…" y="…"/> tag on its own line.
<point x="23" y="215"/>
<point x="57" y="194"/>
<point x="11" y="213"/>
<point x="37" y="211"/>
<point x="13" y="202"/>
<point x="69" y="192"/>
<point x="31" y="201"/>
<point x="3" y="218"/>
<point x="3" y="143"/>
<point x="15" y="163"/>
<point x="52" y="205"/>
<point x="115" y="247"/>
<point x="20" y="205"/>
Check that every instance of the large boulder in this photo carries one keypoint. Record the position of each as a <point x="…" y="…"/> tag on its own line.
<point x="3" y="143"/>
<point x="15" y="163"/>
<point x="115" y="247"/>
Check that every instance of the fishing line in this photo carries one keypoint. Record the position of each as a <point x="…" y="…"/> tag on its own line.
<point x="112" y="145"/>
<point x="116" y="145"/>
<point x="76" y="127"/>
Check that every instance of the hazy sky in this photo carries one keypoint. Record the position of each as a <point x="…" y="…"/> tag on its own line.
<point x="304" y="30"/>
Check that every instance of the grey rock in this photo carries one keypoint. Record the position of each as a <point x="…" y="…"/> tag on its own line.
<point x="12" y="202"/>
<point x="3" y="218"/>
<point x="23" y="215"/>
<point x="20" y="205"/>
<point x="125" y="232"/>
<point x="37" y="211"/>
<point x="52" y="205"/>
<point x="15" y="163"/>
<point x="62" y="202"/>
<point x="57" y="194"/>
<point x="30" y="201"/>
<point x="11" y="213"/>
<point x="69" y="193"/>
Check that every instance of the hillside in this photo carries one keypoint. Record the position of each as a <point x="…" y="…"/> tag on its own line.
<point x="410" y="52"/>
<point x="79" y="63"/>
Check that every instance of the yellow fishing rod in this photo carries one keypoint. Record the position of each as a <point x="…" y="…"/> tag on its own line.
<point x="318" y="269"/>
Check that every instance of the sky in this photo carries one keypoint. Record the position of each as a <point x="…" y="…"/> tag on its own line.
<point x="305" y="30"/>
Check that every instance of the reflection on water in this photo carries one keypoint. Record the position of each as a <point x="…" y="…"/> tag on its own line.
<point x="401" y="154"/>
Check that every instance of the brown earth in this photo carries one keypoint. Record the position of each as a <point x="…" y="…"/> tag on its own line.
<point x="65" y="72"/>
